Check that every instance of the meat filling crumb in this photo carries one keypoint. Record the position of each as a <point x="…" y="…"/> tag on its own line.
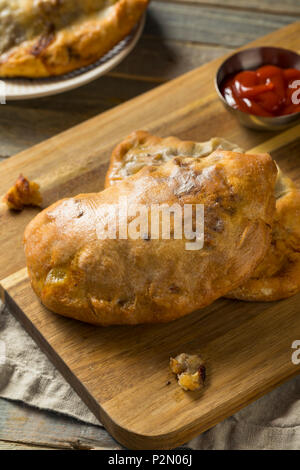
<point x="23" y="193"/>
<point x="190" y="371"/>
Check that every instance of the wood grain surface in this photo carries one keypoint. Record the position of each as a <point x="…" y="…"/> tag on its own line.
<point x="273" y="6"/>
<point x="230" y="27"/>
<point x="22" y="427"/>
<point x="169" y="47"/>
<point x="241" y="342"/>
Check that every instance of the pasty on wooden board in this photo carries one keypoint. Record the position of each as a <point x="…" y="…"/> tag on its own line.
<point x="128" y="281"/>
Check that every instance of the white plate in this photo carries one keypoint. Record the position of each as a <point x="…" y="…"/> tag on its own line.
<point x="21" y="89"/>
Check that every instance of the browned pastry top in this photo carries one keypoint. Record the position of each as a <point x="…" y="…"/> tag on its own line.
<point x="131" y="281"/>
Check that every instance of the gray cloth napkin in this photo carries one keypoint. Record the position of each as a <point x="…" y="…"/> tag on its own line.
<point x="273" y="422"/>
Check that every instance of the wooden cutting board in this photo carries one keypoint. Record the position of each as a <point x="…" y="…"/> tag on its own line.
<point x="122" y="373"/>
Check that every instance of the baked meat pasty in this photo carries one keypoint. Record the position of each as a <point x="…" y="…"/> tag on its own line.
<point x="43" y="38"/>
<point x="278" y="276"/>
<point x="109" y="281"/>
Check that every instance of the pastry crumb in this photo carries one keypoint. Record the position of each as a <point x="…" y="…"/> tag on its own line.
<point x="190" y="371"/>
<point x="23" y="193"/>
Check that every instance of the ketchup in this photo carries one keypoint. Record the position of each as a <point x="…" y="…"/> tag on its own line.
<point x="266" y="91"/>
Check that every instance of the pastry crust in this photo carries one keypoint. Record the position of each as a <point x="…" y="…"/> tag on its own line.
<point x="141" y="149"/>
<point x="278" y="276"/>
<point x="54" y="37"/>
<point x="128" y="281"/>
<point x="23" y="193"/>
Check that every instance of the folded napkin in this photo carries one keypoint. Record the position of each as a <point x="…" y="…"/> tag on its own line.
<point x="273" y="422"/>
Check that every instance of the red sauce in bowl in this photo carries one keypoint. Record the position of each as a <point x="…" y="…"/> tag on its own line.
<point x="268" y="91"/>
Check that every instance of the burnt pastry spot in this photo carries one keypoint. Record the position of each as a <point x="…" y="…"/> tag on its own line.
<point x="180" y="162"/>
<point x="72" y="53"/>
<point x="174" y="289"/>
<point x="42" y="44"/>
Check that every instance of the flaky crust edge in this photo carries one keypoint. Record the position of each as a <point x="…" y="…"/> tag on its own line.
<point x="132" y="140"/>
<point x="146" y="139"/>
<point x="62" y="52"/>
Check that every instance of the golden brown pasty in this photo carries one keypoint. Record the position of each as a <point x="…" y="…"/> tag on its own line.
<point x="43" y="38"/>
<point x="278" y="276"/>
<point x="128" y="281"/>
